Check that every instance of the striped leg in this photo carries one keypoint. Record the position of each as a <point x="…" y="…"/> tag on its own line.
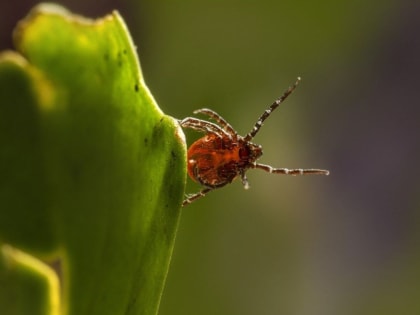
<point x="194" y="197"/>
<point x="269" y="110"/>
<point x="204" y="126"/>
<point x="294" y="172"/>
<point x="219" y="119"/>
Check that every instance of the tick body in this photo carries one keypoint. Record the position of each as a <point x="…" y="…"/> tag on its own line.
<point x="222" y="155"/>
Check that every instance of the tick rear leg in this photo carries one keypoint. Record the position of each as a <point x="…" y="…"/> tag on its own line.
<point x="194" y="197"/>
<point x="286" y="171"/>
<point x="204" y="126"/>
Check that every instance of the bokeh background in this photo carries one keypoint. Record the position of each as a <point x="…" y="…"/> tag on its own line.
<point x="343" y="244"/>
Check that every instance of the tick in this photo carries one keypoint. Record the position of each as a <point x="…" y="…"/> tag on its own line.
<point x="222" y="155"/>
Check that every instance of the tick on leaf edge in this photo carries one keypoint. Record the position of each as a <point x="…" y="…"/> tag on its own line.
<point x="222" y="155"/>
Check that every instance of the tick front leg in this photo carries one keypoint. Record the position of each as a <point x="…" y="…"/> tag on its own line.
<point x="194" y="197"/>
<point x="294" y="172"/>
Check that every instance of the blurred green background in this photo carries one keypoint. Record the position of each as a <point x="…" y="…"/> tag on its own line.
<point x="343" y="244"/>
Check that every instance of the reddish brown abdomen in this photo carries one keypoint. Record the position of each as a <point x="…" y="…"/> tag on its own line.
<point x="213" y="162"/>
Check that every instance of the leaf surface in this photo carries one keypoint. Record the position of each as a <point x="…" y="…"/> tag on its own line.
<point x="92" y="173"/>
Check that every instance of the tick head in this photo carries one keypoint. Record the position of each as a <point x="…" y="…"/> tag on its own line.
<point x="254" y="151"/>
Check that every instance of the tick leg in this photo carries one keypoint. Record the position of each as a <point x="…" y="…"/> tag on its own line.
<point x="219" y="119"/>
<point x="194" y="197"/>
<point x="269" y="110"/>
<point x="204" y="126"/>
<point x="286" y="171"/>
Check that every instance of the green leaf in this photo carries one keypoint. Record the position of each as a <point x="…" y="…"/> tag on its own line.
<point x="92" y="173"/>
